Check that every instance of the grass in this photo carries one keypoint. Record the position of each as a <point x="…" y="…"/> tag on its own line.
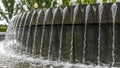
<point x="3" y="28"/>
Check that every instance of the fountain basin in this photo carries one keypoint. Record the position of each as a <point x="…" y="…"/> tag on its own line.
<point x="54" y="18"/>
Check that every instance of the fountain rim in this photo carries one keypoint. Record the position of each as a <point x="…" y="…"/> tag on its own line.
<point x="83" y="6"/>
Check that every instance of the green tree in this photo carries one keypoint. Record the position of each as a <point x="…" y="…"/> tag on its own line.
<point x="9" y="7"/>
<point x="12" y="8"/>
<point x="104" y="1"/>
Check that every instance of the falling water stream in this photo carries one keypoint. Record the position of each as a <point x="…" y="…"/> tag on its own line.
<point x="11" y="59"/>
<point x="17" y="23"/>
<point x="61" y="34"/>
<point x="72" y="33"/>
<point x="100" y="8"/>
<point x="14" y="23"/>
<point x="14" y="31"/>
<point x="51" y="34"/>
<point x="35" y="32"/>
<point x="19" y="28"/>
<point x="114" y="10"/>
<point x="28" y="35"/>
<point x="23" y="30"/>
<point x="22" y="34"/>
<point x="43" y="30"/>
<point x="10" y="31"/>
<point x="16" y="18"/>
<point x="85" y="31"/>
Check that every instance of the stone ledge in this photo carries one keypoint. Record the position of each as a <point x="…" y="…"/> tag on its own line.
<point x="65" y="15"/>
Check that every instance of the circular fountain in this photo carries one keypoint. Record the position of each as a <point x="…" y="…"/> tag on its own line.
<point x="74" y="36"/>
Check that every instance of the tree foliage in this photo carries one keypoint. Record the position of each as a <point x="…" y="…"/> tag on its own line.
<point x="13" y="7"/>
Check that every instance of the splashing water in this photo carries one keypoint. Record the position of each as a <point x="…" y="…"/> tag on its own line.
<point x="11" y="33"/>
<point x="10" y="59"/>
<point x="99" y="37"/>
<point x="114" y="10"/>
<point x="84" y="42"/>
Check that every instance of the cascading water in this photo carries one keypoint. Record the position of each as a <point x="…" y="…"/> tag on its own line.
<point x="61" y="34"/>
<point x="43" y="30"/>
<point x="84" y="42"/>
<point x="23" y="30"/>
<point x="114" y="10"/>
<point x="28" y="35"/>
<point x="34" y="40"/>
<point x="72" y="33"/>
<point x="17" y="22"/>
<point x="99" y="36"/>
<point x="19" y="28"/>
<point x="11" y="36"/>
<point x="16" y="18"/>
<point x="20" y="23"/>
<point x="14" y="28"/>
<point x="51" y="33"/>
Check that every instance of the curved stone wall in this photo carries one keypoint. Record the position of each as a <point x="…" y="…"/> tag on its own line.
<point x="57" y="16"/>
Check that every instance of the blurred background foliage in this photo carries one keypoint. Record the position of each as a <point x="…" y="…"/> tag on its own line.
<point x="3" y="28"/>
<point x="13" y="7"/>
